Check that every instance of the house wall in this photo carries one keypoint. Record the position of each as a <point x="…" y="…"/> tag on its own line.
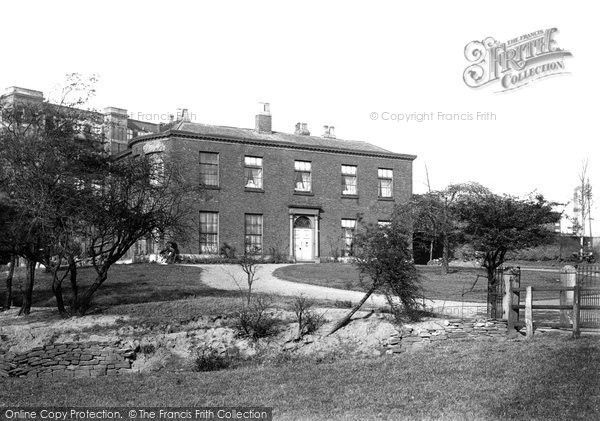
<point x="231" y="200"/>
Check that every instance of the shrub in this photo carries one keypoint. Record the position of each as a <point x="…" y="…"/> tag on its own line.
<point x="210" y="359"/>
<point x="254" y="320"/>
<point x="147" y="349"/>
<point x="228" y="251"/>
<point x="276" y="255"/>
<point x="342" y="304"/>
<point x="308" y="320"/>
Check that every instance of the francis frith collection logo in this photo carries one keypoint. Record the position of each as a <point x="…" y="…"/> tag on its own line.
<point x="514" y="63"/>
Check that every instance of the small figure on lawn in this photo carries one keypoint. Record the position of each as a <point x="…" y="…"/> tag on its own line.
<point x="170" y="254"/>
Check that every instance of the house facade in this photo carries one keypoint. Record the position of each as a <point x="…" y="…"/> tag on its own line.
<point x="276" y="193"/>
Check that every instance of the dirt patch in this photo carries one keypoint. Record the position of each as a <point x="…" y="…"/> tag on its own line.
<point x="174" y="346"/>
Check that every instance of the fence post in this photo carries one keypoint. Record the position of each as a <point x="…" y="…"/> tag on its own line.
<point x="568" y="278"/>
<point x="511" y="297"/>
<point x="511" y="315"/>
<point x="576" y="298"/>
<point x="529" y="312"/>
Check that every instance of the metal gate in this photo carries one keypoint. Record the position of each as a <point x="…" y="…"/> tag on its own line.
<point x="588" y="276"/>
<point x="497" y="290"/>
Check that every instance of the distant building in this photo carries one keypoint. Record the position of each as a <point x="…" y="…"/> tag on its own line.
<point x="119" y="129"/>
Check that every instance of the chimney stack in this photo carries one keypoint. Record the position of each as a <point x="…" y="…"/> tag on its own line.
<point x="263" y="119"/>
<point x="302" y="129"/>
<point x="329" y="131"/>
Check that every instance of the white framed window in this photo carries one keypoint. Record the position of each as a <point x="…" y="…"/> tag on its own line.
<point x="253" y="238"/>
<point x="303" y="179"/>
<point x="386" y="182"/>
<point x="348" y="229"/>
<point x="349" y="180"/>
<point x="209" y="232"/>
<point x="253" y="172"/>
<point x="209" y="169"/>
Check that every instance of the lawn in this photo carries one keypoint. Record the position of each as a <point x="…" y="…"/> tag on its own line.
<point x="469" y="284"/>
<point x="146" y="293"/>
<point x="544" y="379"/>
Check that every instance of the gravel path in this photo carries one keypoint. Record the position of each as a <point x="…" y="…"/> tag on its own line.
<point x="231" y="277"/>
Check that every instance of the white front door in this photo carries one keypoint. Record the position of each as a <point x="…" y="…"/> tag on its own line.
<point x="303" y="243"/>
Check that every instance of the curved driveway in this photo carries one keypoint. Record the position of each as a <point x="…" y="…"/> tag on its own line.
<point x="231" y="277"/>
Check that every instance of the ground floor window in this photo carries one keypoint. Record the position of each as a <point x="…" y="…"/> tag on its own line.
<point x="209" y="232"/>
<point x="253" y="240"/>
<point x="348" y="228"/>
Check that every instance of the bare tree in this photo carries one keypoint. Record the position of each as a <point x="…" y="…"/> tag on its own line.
<point x="582" y="198"/>
<point x="250" y="262"/>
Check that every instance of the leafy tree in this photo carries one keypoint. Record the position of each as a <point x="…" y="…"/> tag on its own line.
<point x="384" y="260"/>
<point x="47" y="153"/>
<point x="496" y="224"/>
<point x="434" y="215"/>
<point x="70" y="201"/>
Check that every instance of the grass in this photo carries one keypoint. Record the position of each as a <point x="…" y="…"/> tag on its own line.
<point x="471" y="282"/>
<point x="126" y="284"/>
<point x="146" y="293"/>
<point x="543" y="379"/>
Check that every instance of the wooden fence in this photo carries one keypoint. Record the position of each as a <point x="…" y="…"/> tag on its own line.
<point x="577" y="307"/>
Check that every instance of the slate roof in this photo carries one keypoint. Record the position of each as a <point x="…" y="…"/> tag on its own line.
<point x="273" y="139"/>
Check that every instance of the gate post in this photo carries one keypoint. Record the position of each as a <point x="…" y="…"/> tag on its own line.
<point x="568" y="278"/>
<point x="511" y="295"/>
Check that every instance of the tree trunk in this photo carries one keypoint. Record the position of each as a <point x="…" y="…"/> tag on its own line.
<point x="492" y="291"/>
<point x="348" y="316"/>
<point x="431" y="251"/>
<point x="57" y="288"/>
<point x="85" y="300"/>
<point x="9" y="282"/>
<point x="445" y="247"/>
<point x="73" y="279"/>
<point x="28" y="292"/>
<point x="60" y="302"/>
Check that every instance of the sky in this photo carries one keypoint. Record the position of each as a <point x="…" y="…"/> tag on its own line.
<point x="335" y="63"/>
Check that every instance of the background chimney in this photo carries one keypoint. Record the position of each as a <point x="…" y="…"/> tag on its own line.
<point x="302" y="129"/>
<point x="329" y="131"/>
<point x="263" y="118"/>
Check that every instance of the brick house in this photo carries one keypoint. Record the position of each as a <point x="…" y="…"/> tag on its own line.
<point x="294" y="194"/>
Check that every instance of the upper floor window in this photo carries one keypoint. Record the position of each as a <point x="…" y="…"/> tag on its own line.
<point x="303" y="176"/>
<point x="209" y="232"/>
<point x="349" y="180"/>
<point x="253" y="172"/>
<point x="386" y="182"/>
<point x="129" y="134"/>
<point x="209" y="169"/>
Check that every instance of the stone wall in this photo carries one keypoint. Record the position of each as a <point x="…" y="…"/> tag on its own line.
<point x="86" y="359"/>
<point x="412" y="338"/>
